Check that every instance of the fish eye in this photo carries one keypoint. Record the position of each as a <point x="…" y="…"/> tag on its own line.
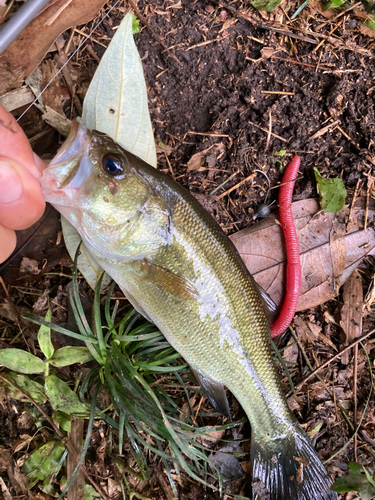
<point x="114" y="165"/>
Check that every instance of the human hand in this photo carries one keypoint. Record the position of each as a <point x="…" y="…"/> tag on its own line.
<point x="21" y="199"/>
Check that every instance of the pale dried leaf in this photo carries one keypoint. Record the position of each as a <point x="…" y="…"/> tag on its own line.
<point x="196" y="162"/>
<point x="209" y="156"/>
<point x="29" y="266"/>
<point x="370" y="295"/>
<point x="212" y="437"/>
<point x="20" y="443"/>
<point x="351" y="313"/>
<point x="5" y="456"/>
<point x="327" y="341"/>
<point x="315" y="329"/>
<point x="290" y="353"/>
<point x="337" y="249"/>
<point x="267" y="52"/>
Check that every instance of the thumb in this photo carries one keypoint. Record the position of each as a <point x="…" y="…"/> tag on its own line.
<point x="21" y="199"/>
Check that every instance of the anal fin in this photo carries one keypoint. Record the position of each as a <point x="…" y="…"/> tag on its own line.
<point x="214" y="392"/>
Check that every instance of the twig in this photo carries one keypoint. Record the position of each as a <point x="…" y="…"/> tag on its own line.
<point x="325" y="129"/>
<point x="210" y="134"/>
<point x="266" y="131"/>
<point x="223" y="183"/>
<point x="348" y="137"/>
<point x="325" y="39"/>
<point x="324" y="68"/>
<point x="277" y="92"/>
<point x="269" y="133"/>
<point x="326" y="363"/>
<point x="354" y="200"/>
<point x="207" y="42"/>
<point x="251" y="176"/>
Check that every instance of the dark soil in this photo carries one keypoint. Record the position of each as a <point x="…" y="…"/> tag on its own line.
<point x="262" y="97"/>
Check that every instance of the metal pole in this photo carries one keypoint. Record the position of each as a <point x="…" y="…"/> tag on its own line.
<point x="19" y="21"/>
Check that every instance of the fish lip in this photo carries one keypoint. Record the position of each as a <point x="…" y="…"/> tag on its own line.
<point x="74" y="144"/>
<point x="64" y="165"/>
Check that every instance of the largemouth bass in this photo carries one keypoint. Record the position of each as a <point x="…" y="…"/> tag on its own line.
<point x="177" y="268"/>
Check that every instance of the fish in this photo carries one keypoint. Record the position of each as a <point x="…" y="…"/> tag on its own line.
<point x="178" y="268"/>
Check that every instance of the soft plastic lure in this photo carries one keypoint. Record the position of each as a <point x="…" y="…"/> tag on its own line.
<point x="293" y="268"/>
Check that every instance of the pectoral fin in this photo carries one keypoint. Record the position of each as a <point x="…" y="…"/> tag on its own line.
<point x="167" y="281"/>
<point x="214" y="392"/>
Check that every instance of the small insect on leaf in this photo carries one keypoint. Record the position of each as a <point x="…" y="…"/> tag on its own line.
<point x="332" y="193"/>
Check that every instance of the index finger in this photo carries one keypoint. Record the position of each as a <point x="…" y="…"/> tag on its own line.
<point x="15" y="144"/>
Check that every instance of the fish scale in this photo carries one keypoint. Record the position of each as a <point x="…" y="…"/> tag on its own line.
<point x="178" y="268"/>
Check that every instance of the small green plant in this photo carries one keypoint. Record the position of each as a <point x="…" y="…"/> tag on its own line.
<point x="332" y="193"/>
<point x="135" y="25"/>
<point x="358" y="479"/>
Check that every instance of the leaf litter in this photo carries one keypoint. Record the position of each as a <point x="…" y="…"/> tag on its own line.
<point x="223" y="110"/>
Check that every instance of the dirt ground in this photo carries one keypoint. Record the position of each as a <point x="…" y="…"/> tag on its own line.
<point x="225" y="77"/>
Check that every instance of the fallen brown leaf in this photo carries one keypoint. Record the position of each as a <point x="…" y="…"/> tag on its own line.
<point x="262" y="248"/>
<point x="209" y="156"/>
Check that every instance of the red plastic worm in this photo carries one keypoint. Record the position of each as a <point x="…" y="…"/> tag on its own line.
<point x="293" y="267"/>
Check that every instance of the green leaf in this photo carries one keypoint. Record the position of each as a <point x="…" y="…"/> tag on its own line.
<point x="63" y="420"/>
<point x="135" y="25"/>
<point x="90" y="493"/>
<point x="333" y="4"/>
<point x="69" y="355"/>
<point x="44" y="463"/>
<point x="32" y="388"/>
<point x="370" y="24"/>
<point x="44" y="338"/>
<point x="62" y="397"/>
<point x="266" y="5"/>
<point x="21" y="361"/>
<point x="332" y="193"/>
<point x="363" y="484"/>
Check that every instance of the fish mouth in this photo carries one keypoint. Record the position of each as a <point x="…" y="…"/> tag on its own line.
<point x="69" y="168"/>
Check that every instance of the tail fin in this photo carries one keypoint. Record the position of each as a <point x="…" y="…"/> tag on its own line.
<point x="289" y="469"/>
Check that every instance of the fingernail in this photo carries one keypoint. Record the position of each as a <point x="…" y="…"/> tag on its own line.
<point x="10" y="184"/>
